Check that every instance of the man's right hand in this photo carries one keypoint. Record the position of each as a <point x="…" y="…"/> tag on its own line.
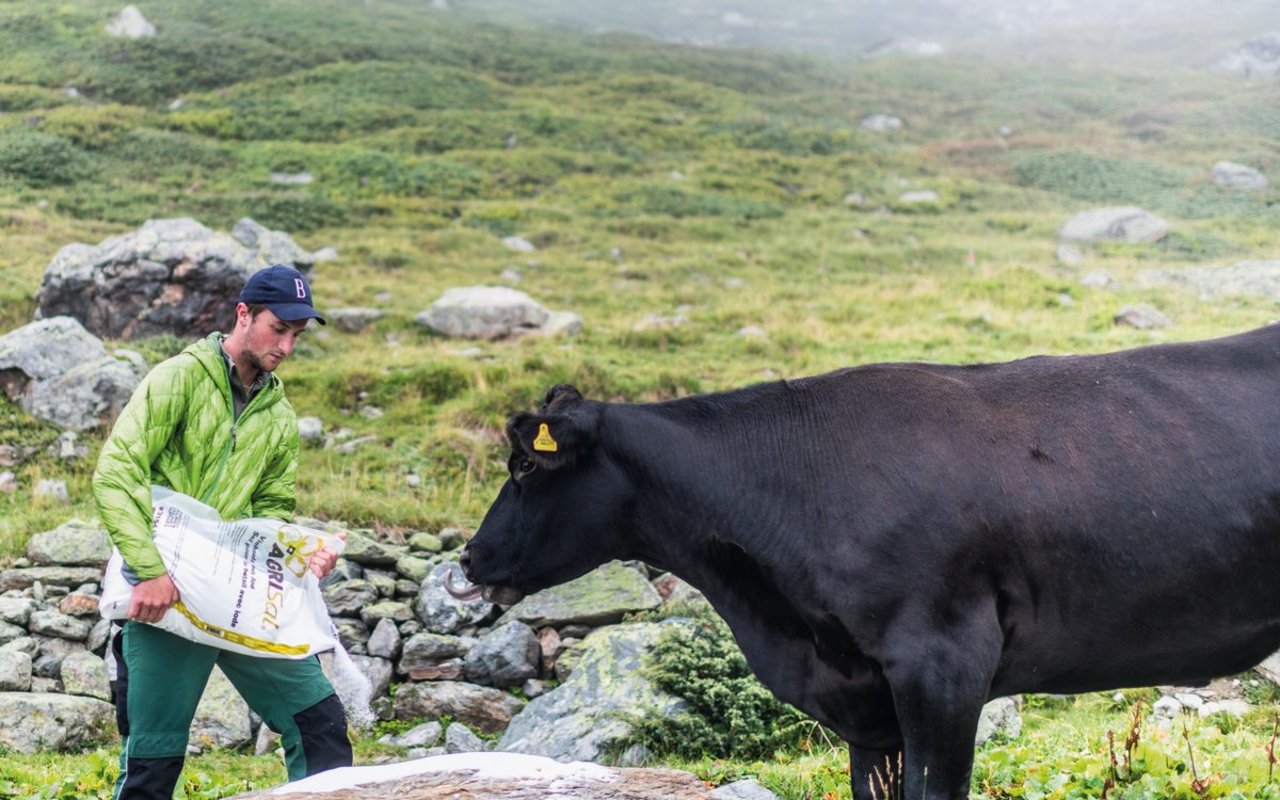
<point x="152" y="598"/>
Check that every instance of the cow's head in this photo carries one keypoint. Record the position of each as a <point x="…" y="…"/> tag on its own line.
<point x="562" y="511"/>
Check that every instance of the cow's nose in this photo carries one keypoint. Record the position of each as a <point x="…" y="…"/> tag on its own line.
<point x="465" y="561"/>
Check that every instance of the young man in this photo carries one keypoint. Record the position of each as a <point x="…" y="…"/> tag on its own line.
<point x="212" y="423"/>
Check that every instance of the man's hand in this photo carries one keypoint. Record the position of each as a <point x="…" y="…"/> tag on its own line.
<point x="324" y="560"/>
<point x="152" y="598"/>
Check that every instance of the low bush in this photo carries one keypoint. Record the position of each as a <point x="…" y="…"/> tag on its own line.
<point x="731" y="715"/>
<point x="41" y="159"/>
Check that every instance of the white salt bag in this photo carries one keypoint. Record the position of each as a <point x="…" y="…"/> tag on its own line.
<point x="244" y="585"/>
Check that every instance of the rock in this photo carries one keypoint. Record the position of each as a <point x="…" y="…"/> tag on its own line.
<point x="222" y="717"/>
<point x="88" y="396"/>
<point x="1234" y="708"/>
<point x="489" y="710"/>
<point x="747" y="789"/>
<point x="562" y="323"/>
<point x="519" y="244"/>
<point x="8" y="482"/>
<point x="15" y="671"/>
<point x="489" y="776"/>
<point x="414" y="568"/>
<point x="425" y="735"/>
<point x="387" y="610"/>
<point x="1142" y="317"/>
<point x="1231" y="175"/>
<point x="460" y="739"/>
<point x="40" y="722"/>
<point x="1249" y="278"/>
<point x="52" y="488"/>
<point x="426" y="543"/>
<point x="880" y="123"/>
<point x="347" y="598"/>
<point x="1001" y="718"/>
<point x="1270" y="668"/>
<point x="1099" y="279"/>
<point x="130" y="24"/>
<point x="601" y="597"/>
<point x="171" y="276"/>
<point x="73" y="543"/>
<point x="1256" y="58"/>
<point x="583" y="717"/>
<point x="425" y="650"/>
<point x="60" y="373"/>
<point x="442" y="613"/>
<point x="919" y="196"/>
<point x="368" y="552"/>
<point x="79" y="604"/>
<point x="1069" y="255"/>
<point x="16" y="610"/>
<point x="385" y="641"/>
<point x="378" y="671"/>
<point x="291" y="178"/>
<point x="1119" y="224"/>
<point x="483" y="312"/>
<point x="83" y="673"/>
<point x="51" y="651"/>
<point x="353" y="320"/>
<point x="48" y="622"/>
<point x="268" y="741"/>
<point x="506" y="656"/>
<point x="310" y="429"/>
<point x="14" y="640"/>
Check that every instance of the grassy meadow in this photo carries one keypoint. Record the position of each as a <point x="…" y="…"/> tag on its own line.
<point x="676" y="196"/>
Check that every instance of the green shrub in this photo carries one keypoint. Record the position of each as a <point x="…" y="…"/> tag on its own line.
<point x="1097" y="179"/>
<point x="41" y="159"/>
<point x="731" y="715"/>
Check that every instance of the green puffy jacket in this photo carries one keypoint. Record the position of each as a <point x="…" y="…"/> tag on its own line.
<point x="178" y="430"/>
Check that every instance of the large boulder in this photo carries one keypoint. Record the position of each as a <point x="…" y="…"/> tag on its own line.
<point x="1230" y="175"/>
<point x="603" y="596"/>
<point x="494" y="312"/>
<point x="58" y="372"/>
<point x="39" y="722"/>
<point x="1248" y="278"/>
<point x="1257" y="58"/>
<point x="130" y="24"/>
<point x="582" y="718"/>
<point x="1119" y="224"/>
<point x="171" y="276"/>
<point x="73" y="543"/>
<point x="489" y="710"/>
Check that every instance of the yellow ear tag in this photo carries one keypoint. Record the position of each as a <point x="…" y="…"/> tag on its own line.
<point x="544" y="442"/>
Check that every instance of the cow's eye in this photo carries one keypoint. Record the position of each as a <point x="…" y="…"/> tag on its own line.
<point x="524" y="466"/>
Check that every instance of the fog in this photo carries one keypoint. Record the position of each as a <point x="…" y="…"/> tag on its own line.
<point x="1188" y="32"/>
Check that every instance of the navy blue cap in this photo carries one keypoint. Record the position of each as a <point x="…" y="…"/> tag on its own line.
<point x="282" y="289"/>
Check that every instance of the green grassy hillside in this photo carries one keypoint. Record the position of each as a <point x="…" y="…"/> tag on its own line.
<point x="655" y="180"/>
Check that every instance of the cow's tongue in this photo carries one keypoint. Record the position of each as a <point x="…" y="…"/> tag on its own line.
<point x="502" y="595"/>
<point x="467" y="592"/>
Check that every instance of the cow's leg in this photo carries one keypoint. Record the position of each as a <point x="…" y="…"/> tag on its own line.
<point x="875" y="774"/>
<point x="939" y="691"/>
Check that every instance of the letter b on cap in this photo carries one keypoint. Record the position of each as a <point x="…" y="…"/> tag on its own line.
<point x="301" y="287"/>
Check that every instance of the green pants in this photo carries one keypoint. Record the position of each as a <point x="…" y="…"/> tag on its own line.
<point x="161" y="678"/>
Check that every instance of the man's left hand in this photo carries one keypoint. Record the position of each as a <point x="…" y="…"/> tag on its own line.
<point x="324" y="560"/>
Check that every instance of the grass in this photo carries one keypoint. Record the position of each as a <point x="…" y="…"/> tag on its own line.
<point x="701" y="185"/>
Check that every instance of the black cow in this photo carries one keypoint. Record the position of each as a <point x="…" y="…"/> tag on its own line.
<point x="895" y="544"/>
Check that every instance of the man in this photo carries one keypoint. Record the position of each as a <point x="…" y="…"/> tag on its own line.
<point x="212" y="423"/>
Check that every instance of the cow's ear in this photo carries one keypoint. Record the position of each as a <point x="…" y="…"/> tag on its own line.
<point x="559" y="397"/>
<point x="551" y="440"/>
